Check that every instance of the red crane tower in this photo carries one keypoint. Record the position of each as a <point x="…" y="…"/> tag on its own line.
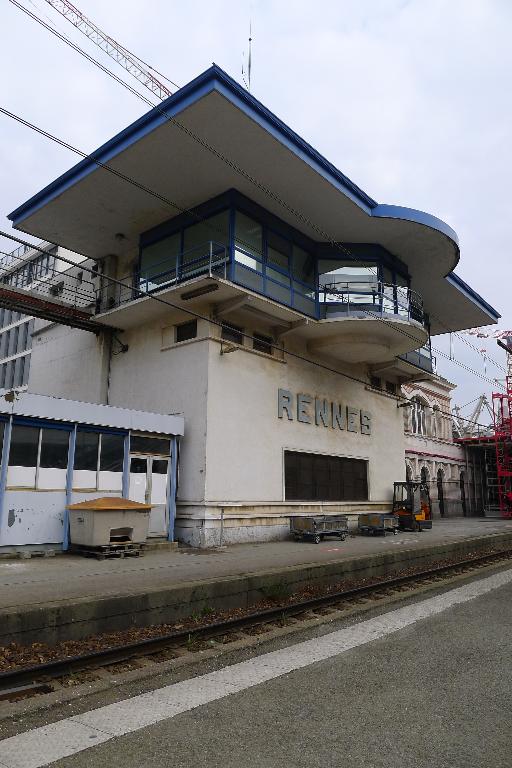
<point x="502" y="410"/>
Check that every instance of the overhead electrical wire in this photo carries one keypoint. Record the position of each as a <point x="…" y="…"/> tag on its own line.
<point x="302" y="217"/>
<point x="144" y="294"/>
<point x="144" y="188"/>
<point x="218" y="154"/>
<point x="220" y="324"/>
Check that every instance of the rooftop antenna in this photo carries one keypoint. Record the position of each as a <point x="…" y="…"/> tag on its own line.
<point x="248" y="72"/>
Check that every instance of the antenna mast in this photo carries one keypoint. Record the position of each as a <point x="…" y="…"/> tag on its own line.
<point x="249" y="61"/>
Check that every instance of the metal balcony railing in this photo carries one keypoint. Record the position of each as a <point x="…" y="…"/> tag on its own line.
<point x="210" y="259"/>
<point x="371" y="298"/>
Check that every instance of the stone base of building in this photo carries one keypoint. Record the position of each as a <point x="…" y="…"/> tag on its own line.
<point x="216" y="524"/>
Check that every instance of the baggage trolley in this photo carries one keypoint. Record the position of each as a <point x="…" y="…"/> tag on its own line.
<point x="315" y="527"/>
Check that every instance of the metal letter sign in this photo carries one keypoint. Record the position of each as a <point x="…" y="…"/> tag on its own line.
<point x="326" y="414"/>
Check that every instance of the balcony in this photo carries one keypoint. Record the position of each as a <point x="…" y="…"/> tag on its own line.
<point x="362" y="320"/>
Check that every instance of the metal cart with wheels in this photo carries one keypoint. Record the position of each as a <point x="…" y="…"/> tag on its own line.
<point x="318" y="526"/>
<point x="375" y="523"/>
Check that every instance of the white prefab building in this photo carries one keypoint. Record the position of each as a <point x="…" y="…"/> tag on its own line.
<point x="58" y="452"/>
<point x="246" y="284"/>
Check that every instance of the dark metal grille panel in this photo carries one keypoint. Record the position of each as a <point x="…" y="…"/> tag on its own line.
<point x="314" y="477"/>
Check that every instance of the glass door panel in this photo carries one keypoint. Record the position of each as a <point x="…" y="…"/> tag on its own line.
<point x="159" y="481"/>
<point x="139" y="479"/>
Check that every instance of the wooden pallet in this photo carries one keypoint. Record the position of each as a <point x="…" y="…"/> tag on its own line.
<point x="109" y="550"/>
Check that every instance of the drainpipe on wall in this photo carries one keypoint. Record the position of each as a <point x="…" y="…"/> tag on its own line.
<point x="172" y="486"/>
<point x="69" y="489"/>
<point x="126" y="467"/>
<point x="3" y="472"/>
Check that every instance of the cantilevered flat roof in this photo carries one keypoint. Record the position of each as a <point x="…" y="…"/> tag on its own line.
<point x="212" y="135"/>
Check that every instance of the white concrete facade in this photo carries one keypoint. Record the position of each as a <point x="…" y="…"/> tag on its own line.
<point x="328" y="291"/>
<point x="231" y="458"/>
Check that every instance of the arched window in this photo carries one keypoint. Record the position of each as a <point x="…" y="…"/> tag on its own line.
<point x="424" y="475"/>
<point x="408" y="473"/>
<point x="418" y="417"/>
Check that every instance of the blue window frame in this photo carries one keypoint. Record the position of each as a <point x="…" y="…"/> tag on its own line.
<point x="235" y="238"/>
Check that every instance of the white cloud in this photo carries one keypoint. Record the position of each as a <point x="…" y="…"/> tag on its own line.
<point x="409" y="99"/>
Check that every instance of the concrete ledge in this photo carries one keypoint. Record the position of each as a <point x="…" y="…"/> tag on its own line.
<point x="78" y="618"/>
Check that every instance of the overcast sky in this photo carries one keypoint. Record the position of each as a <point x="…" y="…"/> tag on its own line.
<point x="410" y="99"/>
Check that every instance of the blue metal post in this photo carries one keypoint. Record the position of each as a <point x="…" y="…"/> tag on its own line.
<point x="171" y="488"/>
<point x="126" y="467"/>
<point x="3" y="471"/>
<point x="69" y="488"/>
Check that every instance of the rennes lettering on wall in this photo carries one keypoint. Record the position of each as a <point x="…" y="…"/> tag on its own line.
<point x="313" y="410"/>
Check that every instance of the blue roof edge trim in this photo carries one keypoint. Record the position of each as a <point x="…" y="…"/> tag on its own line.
<point x="459" y="283"/>
<point x="213" y="78"/>
<point x="420" y="217"/>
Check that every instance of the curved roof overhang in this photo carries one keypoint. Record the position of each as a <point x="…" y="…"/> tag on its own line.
<point x="210" y="136"/>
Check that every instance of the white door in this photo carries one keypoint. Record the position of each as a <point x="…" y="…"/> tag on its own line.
<point x="148" y="485"/>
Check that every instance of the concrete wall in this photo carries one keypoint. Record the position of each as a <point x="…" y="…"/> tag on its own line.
<point x="231" y="484"/>
<point x="155" y="375"/>
<point x="247" y="440"/>
<point x="69" y="363"/>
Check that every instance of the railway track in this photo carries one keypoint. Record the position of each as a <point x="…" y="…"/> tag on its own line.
<point x="29" y="681"/>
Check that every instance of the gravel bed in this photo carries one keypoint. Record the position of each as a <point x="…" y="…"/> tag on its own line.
<point x="14" y="656"/>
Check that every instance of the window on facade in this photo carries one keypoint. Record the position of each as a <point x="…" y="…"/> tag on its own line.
<point x="159" y="261"/>
<point x="86" y="460"/>
<point x="248" y="242"/>
<point x="375" y="382"/>
<point x="262" y="343"/>
<point x="38" y="457"/>
<point x="111" y="462"/>
<point x="99" y="460"/>
<point x="278" y="257"/>
<point x="232" y="333"/>
<point x="303" y="266"/>
<point x="418" y="418"/>
<point x="155" y="445"/>
<point x="350" y="272"/>
<point x="391" y="387"/>
<point x="53" y="459"/>
<point x="186" y="331"/>
<point x="314" y="477"/>
<point x="197" y="238"/>
<point x="23" y="455"/>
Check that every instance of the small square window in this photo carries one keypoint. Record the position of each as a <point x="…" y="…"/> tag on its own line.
<point x="232" y="333"/>
<point x="391" y="387"/>
<point x="375" y="382"/>
<point x="186" y="331"/>
<point x="262" y="343"/>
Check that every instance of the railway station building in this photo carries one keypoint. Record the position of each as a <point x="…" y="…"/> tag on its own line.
<point x="243" y="283"/>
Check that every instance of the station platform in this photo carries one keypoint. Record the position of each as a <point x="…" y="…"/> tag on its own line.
<point x="69" y="596"/>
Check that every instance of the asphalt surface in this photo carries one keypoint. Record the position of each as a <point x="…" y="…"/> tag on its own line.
<point x="60" y="578"/>
<point x="436" y="694"/>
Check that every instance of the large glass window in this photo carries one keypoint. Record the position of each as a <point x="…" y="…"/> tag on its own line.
<point x="86" y="460"/>
<point x="315" y="477"/>
<point x="303" y="266"/>
<point x="111" y="463"/>
<point x="99" y="460"/>
<point x="23" y="454"/>
<point x="278" y="254"/>
<point x="38" y="458"/>
<point x="197" y="238"/>
<point x="349" y="280"/>
<point x="248" y="242"/>
<point x="53" y="459"/>
<point x="144" y="444"/>
<point x="159" y="262"/>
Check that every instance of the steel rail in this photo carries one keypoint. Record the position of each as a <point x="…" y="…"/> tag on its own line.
<point x="18" y="678"/>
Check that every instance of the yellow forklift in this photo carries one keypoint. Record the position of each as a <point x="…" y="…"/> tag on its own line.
<point x="411" y="504"/>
